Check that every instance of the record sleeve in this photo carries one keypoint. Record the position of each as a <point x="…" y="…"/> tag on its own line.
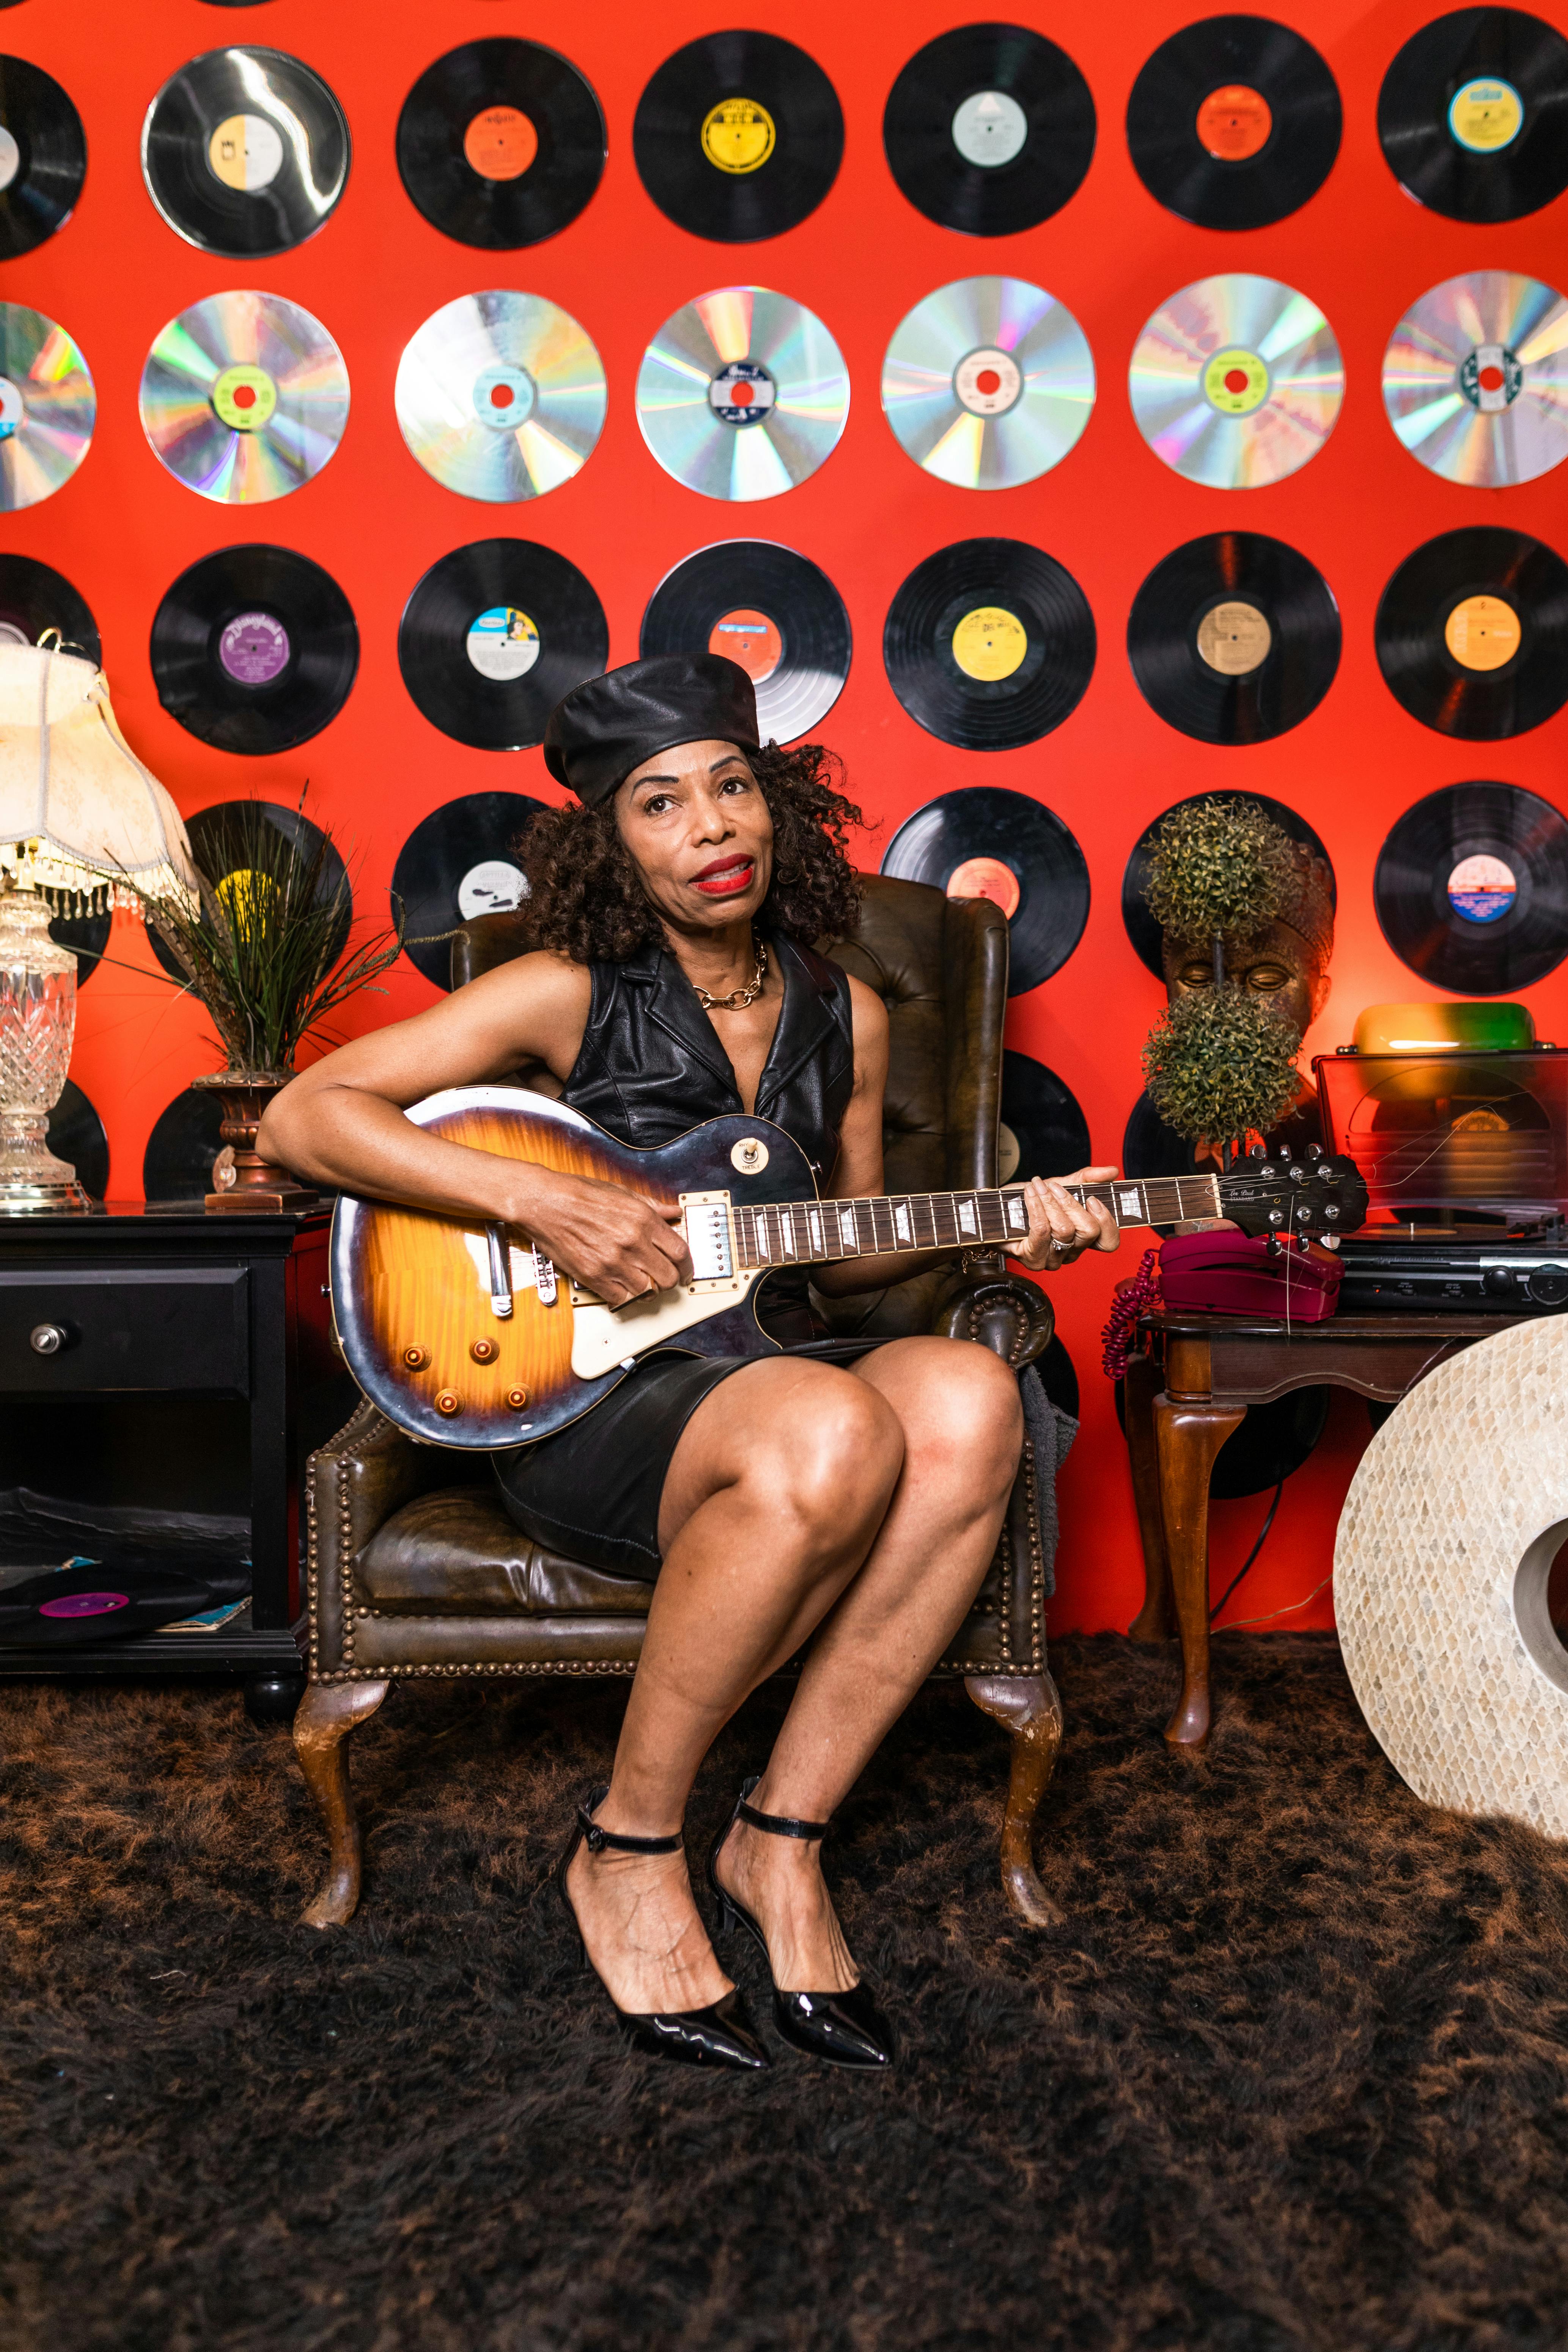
<point x="981" y="841"/>
<point x="254" y="649"/>
<point x="1233" y="638"/>
<point x="989" y="129"/>
<point x="1472" y="633"/>
<point x="1475" y="379"/>
<point x="500" y="143"/>
<point x="1139" y="923"/>
<point x="48" y="407"/>
<point x="988" y="383"/>
<point x="244" y="398"/>
<point x="1043" y="1130"/>
<point x="769" y="609"/>
<point x="463" y="860"/>
<point x="245" y="153"/>
<point x="989" y="644"/>
<point x="742" y="393"/>
<point x="1236" y="381"/>
<point x="1234" y="122"/>
<point x="1471" y="889"/>
<point x="492" y="637"/>
<point x="500" y="396"/>
<point x="43" y="157"/>
<point x="1473" y="114"/>
<point x="214" y="836"/>
<point x="738" y="136"/>
<point x="34" y="597"/>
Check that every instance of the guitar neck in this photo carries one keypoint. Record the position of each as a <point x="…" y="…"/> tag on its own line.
<point x="810" y="1232"/>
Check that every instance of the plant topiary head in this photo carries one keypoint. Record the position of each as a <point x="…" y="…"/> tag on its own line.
<point x="1219" y="868"/>
<point x="1220" y="1065"/>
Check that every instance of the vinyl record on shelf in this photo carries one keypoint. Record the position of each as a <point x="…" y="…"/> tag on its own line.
<point x="989" y="129"/>
<point x="1043" y="1130"/>
<point x="245" y="152"/>
<point x="492" y="637"/>
<point x="1472" y="633"/>
<point x="244" y="397"/>
<point x="500" y="396"/>
<point x="738" y="136"/>
<point x="1234" y="122"/>
<point x="75" y="1131"/>
<point x="1236" y="381"/>
<point x="500" y="143"/>
<point x="1471" y="889"/>
<point x="34" y="597"/>
<point x="1233" y="638"/>
<point x="742" y="393"/>
<point x="1141" y="929"/>
<point x="1473" y="114"/>
<point x="981" y="842"/>
<point x="43" y="157"/>
<point x="989" y="644"/>
<point x="108" y="1601"/>
<point x="214" y="836"/>
<point x="769" y="609"/>
<point x="48" y="407"/>
<point x="178" y="1164"/>
<point x="254" y="649"/>
<point x="464" y="859"/>
<point x="988" y="383"/>
<point x="1475" y="379"/>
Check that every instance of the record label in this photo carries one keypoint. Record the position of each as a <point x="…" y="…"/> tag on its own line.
<point x="245" y="398"/>
<point x="989" y="643"/>
<point x="1482" y="633"/>
<point x="504" y="397"/>
<point x="986" y="878"/>
<point x="750" y="639"/>
<point x="1486" y="116"/>
<point x="1234" y="124"/>
<point x="987" y="382"/>
<point x="1482" y="888"/>
<point x="1236" y="382"/>
<point x="10" y="159"/>
<point x="1235" y="639"/>
<point x="246" y="151"/>
<point x="738" y="135"/>
<point x="742" y="393"/>
<point x="491" y="888"/>
<point x="791" y="635"/>
<point x="503" y="643"/>
<point x="13" y="408"/>
<point x="254" y="649"/>
<point x="1490" y="378"/>
<point x="500" y="143"/>
<point x="990" y="129"/>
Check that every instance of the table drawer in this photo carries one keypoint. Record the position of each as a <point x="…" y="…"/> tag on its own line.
<point x="159" y="1328"/>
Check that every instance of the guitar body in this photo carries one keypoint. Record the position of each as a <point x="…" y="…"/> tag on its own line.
<point x="415" y="1292"/>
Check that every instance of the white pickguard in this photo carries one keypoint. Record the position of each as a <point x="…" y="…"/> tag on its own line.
<point x="603" y="1336"/>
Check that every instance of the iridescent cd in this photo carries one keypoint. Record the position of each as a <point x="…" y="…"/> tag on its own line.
<point x="988" y="383"/>
<point x="1236" y="381"/>
<point x="48" y="407"/>
<point x="500" y="395"/>
<point x="742" y="393"/>
<point x="244" y="396"/>
<point x="1475" y="379"/>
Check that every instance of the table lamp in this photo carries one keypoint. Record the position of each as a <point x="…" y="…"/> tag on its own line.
<point x="80" y="815"/>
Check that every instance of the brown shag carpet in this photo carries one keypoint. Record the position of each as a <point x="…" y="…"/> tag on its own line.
<point x="1294" y="2073"/>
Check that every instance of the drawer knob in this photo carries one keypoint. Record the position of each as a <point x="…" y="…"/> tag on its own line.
<point x="47" y="1339"/>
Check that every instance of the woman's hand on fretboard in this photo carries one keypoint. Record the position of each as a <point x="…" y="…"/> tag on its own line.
<point x="1060" y="1227"/>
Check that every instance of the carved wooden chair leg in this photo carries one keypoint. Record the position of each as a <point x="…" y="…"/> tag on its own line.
<point x="1029" y="1709"/>
<point x="327" y="1714"/>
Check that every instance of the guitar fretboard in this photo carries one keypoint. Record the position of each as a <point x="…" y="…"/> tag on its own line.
<point x="808" y="1233"/>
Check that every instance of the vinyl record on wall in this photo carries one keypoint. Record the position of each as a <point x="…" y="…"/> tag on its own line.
<point x="245" y="153"/>
<point x="500" y="143"/>
<point x="769" y="609"/>
<point x="254" y="649"/>
<point x="464" y="859"/>
<point x="1475" y="379"/>
<point x="244" y="397"/>
<point x="1473" y="114"/>
<point x="178" y="1164"/>
<point x="1234" y="122"/>
<point x="1043" y="1130"/>
<point x="86" y="936"/>
<point x="216" y="839"/>
<point x="989" y="129"/>
<point x="1236" y="381"/>
<point x="34" y="597"/>
<point x="75" y="1134"/>
<point x="1143" y="931"/>
<point x="981" y="841"/>
<point x="500" y="395"/>
<point x="1472" y="633"/>
<point x="739" y="135"/>
<point x="48" y="407"/>
<point x="989" y="644"/>
<point x="988" y="383"/>
<point x="492" y="637"/>
<point x="43" y="157"/>
<point x="1233" y="638"/>
<point x="742" y="393"/>
<point x="1471" y="889"/>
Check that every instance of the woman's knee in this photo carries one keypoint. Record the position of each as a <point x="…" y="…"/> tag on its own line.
<point x="969" y="1410"/>
<point x="831" y="1456"/>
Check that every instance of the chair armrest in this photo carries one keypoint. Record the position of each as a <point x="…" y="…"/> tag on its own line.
<point x="354" y="1485"/>
<point x="1001" y="1311"/>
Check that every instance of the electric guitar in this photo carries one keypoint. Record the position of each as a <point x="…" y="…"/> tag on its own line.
<point x="464" y="1334"/>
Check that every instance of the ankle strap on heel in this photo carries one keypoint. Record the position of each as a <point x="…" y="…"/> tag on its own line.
<point x="596" y="1839"/>
<point x="776" y="1824"/>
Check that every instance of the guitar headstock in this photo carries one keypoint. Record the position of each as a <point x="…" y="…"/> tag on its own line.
<point x="1305" y="1193"/>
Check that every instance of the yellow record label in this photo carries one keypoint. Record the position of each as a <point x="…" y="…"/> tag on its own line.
<point x="989" y="642"/>
<point x="1481" y="633"/>
<point x="1236" y="382"/>
<point x="246" y="151"/>
<point x="244" y="398"/>
<point x="1235" y="639"/>
<point x="738" y="135"/>
<point x="1485" y="115"/>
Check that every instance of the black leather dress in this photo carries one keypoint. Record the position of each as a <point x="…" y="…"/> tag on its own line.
<point x="650" y="1066"/>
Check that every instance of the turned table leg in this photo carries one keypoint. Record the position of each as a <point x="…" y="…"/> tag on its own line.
<point x="1028" y="1708"/>
<point x="1156" y="1621"/>
<point x="327" y="1714"/>
<point x="1188" y="1435"/>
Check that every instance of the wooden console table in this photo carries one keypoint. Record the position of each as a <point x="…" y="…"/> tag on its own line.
<point x="1190" y="1387"/>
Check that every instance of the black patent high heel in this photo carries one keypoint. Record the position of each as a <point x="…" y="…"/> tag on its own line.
<point x="721" y="2034"/>
<point x="845" y="2028"/>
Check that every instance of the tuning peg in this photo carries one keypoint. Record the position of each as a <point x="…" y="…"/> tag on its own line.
<point x="1257" y="1151"/>
<point x="1273" y="1247"/>
<point x="1314" y="1150"/>
<point x="1276" y="1216"/>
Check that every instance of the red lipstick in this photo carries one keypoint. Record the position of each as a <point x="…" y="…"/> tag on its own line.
<point x="726" y="877"/>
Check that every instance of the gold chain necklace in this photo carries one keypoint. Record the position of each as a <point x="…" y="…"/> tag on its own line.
<point x="737" y="998"/>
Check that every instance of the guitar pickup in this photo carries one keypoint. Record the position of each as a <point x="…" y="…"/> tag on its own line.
<point x="710" y="1234"/>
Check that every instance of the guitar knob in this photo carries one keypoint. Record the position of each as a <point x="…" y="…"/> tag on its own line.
<point x="415" y="1359"/>
<point x="448" y="1401"/>
<point x="517" y="1399"/>
<point x="484" y="1351"/>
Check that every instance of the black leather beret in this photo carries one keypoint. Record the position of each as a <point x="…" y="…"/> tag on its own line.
<point x="606" y="727"/>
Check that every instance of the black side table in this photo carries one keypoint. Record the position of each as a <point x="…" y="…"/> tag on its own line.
<point x="172" y="1361"/>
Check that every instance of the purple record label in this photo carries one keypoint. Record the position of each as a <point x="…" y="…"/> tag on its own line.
<point x="84" y="1604"/>
<point x="254" y="649"/>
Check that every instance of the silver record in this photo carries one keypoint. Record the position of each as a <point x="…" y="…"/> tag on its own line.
<point x="1236" y="381"/>
<point x="742" y="393"/>
<point x="1475" y="379"/>
<point x="988" y="383"/>
<point x="253" y="349"/>
<point x="502" y="397"/>
<point x="48" y="407"/>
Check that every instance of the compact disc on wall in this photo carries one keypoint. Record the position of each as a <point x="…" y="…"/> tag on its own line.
<point x="48" y="407"/>
<point x="500" y="143"/>
<point x="246" y="151"/>
<point x="500" y="396"/>
<point x="244" y="397"/>
<point x="43" y="157"/>
<point x="742" y="393"/>
<point x="1138" y="921"/>
<point x="1236" y="381"/>
<point x="981" y="842"/>
<point x="1472" y="633"/>
<point x="254" y="649"/>
<point x="770" y="610"/>
<point x="462" y="860"/>
<point x="1234" y="122"/>
<point x="1475" y="379"/>
<point x="1473" y="114"/>
<point x="1471" y="889"/>
<point x="988" y="383"/>
<point x="1233" y="638"/>
<point x="34" y="597"/>
<point x="989" y="129"/>
<point x="739" y="135"/>
<point x="989" y="644"/>
<point x="492" y="637"/>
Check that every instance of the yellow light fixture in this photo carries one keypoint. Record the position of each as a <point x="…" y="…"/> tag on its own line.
<point x="1443" y="1028"/>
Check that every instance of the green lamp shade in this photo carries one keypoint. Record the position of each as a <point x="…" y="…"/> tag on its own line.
<point x="1438" y="1028"/>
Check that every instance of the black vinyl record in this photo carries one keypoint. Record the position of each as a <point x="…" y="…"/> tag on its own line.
<point x="86" y="936"/>
<point x="1471" y="889"/>
<point x="1472" y="633"/>
<point x="492" y="637"/>
<point x="212" y="833"/>
<point x="43" y="157"/>
<point x="770" y="610"/>
<point x="1233" y="638"/>
<point x="1234" y="122"/>
<point x="245" y="153"/>
<point x="34" y="598"/>
<point x="106" y="1601"/>
<point x="989" y="644"/>
<point x="500" y="143"/>
<point x="989" y="129"/>
<point x="1473" y="114"/>
<point x="254" y="649"/>
<point x="1044" y="1131"/>
<point x="464" y="859"/>
<point x="738" y="136"/>
<point x="1141" y="929"/>
<point x="178" y="1164"/>
<point x="981" y="841"/>
<point x="75" y="1133"/>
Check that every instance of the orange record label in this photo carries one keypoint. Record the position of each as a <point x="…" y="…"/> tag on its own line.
<point x="986" y="878"/>
<point x="1234" y="122"/>
<point x="1481" y="633"/>
<point x="500" y="143"/>
<point x="752" y="640"/>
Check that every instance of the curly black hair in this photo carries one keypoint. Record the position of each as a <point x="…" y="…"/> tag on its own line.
<point x="586" y="901"/>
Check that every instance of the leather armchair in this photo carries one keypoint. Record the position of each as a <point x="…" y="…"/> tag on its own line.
<point x="415" y="1569"/>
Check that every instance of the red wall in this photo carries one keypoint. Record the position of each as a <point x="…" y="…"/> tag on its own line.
<point x="122" y="527"/>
